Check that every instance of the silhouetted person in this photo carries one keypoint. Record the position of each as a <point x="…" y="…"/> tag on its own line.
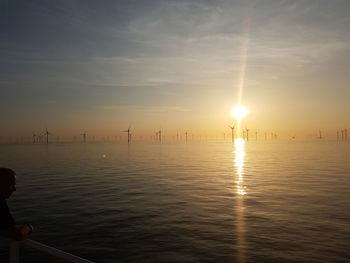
<point x="8" y="227"/>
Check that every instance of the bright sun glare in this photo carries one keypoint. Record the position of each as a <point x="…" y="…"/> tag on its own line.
<point x="239" y="112"/>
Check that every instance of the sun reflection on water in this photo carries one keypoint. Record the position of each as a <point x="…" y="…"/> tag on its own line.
<point x="239" y="165"/>
<point x="239" y="154"/>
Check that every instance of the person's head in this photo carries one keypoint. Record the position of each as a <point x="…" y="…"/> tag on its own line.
<point x="7" y="182"/>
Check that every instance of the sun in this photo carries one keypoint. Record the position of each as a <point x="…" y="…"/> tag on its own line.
<point x="239" y="112"/>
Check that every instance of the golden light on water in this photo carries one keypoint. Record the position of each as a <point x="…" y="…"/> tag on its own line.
<point x="239" y="165"/>
<point x="239" y="154"/>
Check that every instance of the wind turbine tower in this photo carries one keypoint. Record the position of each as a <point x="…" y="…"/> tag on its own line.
<point x="47" y="136"/>
<point x="129" y="134"/>
<point x="232" y="132"/>
<point x="84" y="137"/>
<point x="346" y="134"/>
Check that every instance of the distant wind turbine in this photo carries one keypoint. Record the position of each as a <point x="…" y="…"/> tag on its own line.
<point x="84" y="136"/>
<point x="129" y="134"/>
<point x="232" y="132"/>
<point x="40" y="137"/>
<point x="47" y="136"/>
<point x="346" y="134"/>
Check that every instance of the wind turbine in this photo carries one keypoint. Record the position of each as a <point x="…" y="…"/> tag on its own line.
<point x="84" y="136"/>
<point x="160" y="134"/>
<point x="129" y="134"/>
<point x="320" y="137"/>
<point x="346" y="134"/>
<point x="232" y="131"/>
<point x="47" y="135"/>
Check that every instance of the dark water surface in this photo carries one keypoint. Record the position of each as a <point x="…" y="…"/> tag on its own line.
<point x="196" y="202"/>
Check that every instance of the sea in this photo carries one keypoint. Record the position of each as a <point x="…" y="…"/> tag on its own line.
<point x="256" y="201"/>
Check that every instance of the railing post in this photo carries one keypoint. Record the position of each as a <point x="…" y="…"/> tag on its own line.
<point x="14" y="251"/>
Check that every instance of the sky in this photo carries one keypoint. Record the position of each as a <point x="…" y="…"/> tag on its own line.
<point x="100" y="66"/>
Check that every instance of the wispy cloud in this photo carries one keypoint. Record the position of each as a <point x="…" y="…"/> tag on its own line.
<point x="145" y="109"/>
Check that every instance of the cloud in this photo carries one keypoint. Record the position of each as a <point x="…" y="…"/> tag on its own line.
<point x="145" y="109"/>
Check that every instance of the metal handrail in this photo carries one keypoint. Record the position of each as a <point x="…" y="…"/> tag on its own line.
<point x="14" y="251"/>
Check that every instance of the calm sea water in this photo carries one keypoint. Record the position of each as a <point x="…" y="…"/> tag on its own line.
<point x="196" y="202"/>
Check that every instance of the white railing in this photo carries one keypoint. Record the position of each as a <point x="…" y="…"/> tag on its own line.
<point x="15" y="245"/>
